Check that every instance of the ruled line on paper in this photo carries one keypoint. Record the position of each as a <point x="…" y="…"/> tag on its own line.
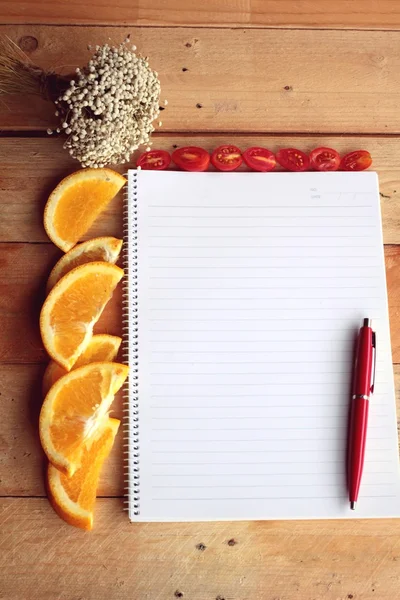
<point x="247" y="474"/>
<point x="191" y="237"/>
<point x="283" y="395"/>
<point x="246" y="429"/>
<point x="270" y="485"/>
<point x="344" y="352"/>
<point x="248" y="373"/>
<point x="159" y="298"/>
<point x="243" y="451"/>
<point x="247" y="384"/>
<point x="259" y="418"/>
<point x="336" y="278"/>
<point x="228" y="430"/>
<point x="241" y="227"/>
<point x="168" y="215"/>
<point x="262" y="264"/>
<point x="213" y="342"/>
<point x="269" y="310"/>
<point x="274" y="498"/>
<point x="258" y="320"/>
<point x="258" y="246"/>
<point x="264" y="439"/>
<point x="322" y="462"/>
<point x="369" y="287"/>
<point x="340" y="471"/>
<point x="247" y="206"/>
<point x="265" y="268"/>
<point x="242" y="362"/>
<point x="250" y="407"/>
<point x="262" y="474"/>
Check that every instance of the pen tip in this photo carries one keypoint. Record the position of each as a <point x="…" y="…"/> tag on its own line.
<point x="353" y="505"/>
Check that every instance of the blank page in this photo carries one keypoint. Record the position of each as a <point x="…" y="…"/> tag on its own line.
<point x="247" y="291"/>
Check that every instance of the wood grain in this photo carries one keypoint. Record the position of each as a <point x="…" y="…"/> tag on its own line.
<point x="22" y="461"/>
<point x="270" y="560"/>
<point x="23" y="276"/>
<point x="32" y="167"/>
<point x="260" y="80"/>
<point x="252" y="13"/>
<point x="392" y="256"/>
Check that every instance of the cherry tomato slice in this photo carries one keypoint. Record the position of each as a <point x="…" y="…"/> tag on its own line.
<point x="325" y="159"/>
<point x="226" y="158"/>
<point x="359" y="160"/>
<point x="191" y="158"/>
<point x="155" y="160"/>
<point x="293" y="159"/>
<point x="259" y="159"/>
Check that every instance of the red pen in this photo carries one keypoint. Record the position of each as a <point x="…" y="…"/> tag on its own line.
<point x="363" y="386"/>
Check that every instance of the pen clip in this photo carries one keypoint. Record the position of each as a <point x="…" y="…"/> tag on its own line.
<point x="374" y="369"/>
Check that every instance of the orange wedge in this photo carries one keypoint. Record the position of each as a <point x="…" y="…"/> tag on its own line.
<point x="72" y="308"/>
<point x="101" y="347"/>
<point x="73" y="497"/>
<point x="105" y="249"/>
<point x="77" y="202"/>
<point x="75" y="409"/>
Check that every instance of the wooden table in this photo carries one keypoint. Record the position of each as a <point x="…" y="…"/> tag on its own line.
<point x="276" y="73"/>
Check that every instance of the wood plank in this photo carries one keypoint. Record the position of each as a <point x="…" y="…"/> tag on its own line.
<point x="252" y="13"/>
<point x="265" y="80"/>
<point x="31" y="168"/>
<point x="22" y="459"/>
<point x="23" y="276"/>
<point x="286" y="560"/>
<point x="392" y="258"/>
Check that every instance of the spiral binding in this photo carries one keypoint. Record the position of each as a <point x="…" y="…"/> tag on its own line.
<point x="130" y="426"/>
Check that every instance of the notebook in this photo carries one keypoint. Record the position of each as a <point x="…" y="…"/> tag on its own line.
<point x="244" y="294"/>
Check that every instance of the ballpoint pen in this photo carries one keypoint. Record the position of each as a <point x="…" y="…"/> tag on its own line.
<point x="363" y="386"/>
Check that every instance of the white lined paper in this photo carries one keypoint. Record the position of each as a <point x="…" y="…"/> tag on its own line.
<point x="251" y="290"/>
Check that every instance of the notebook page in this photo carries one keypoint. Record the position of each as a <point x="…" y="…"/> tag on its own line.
<point x="251" y="289"/>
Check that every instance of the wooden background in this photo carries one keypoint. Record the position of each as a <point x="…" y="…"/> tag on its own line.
<point x="270" y="72"/>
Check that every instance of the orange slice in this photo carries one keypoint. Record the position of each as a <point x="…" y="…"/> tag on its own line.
<point x="76" y="203"/>
<point x="101" y="347"/>
<point x="73" y="498"/>
<point x="99" y="249"/>
<point x="75" y="409"/>
<point x="72" y="308"/>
